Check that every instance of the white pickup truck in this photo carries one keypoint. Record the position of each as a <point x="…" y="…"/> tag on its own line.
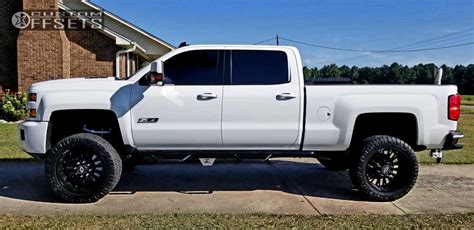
<point x="214" y="101"/>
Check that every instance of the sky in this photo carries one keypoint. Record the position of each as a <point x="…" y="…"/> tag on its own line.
<point x="361" y="24"/>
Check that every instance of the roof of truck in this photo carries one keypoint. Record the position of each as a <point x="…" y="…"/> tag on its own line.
<point x="231" y="46"/>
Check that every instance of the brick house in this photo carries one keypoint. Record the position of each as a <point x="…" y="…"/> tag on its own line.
<point x="118" y="48"/>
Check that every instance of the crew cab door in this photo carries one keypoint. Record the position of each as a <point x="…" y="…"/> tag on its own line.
<point x="261" y="107"/>
<point x="186" y="111"/>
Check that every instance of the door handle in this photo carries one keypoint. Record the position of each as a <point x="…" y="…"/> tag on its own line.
<point x="206" y="96"/>
<point x="285" y="96"/>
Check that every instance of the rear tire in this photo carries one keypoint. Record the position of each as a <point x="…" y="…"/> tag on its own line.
<point x="386" y="168"/>
<point x="82" y="168"/>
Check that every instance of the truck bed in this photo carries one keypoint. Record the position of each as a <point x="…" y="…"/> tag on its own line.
<point x="332" y="110"/>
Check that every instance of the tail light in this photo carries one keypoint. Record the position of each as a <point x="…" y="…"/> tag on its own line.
<point x="454" y="106"/>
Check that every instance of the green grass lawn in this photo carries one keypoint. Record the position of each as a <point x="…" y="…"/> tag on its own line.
<point x="9" y="149"/>
<point x="467" y="111"/>
<point x="467" y="100"/>
<point x="191" y="221"/>
<point x="462" y="156"/>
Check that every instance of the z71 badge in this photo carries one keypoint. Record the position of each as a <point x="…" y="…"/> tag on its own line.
<point x="148" y="120"/>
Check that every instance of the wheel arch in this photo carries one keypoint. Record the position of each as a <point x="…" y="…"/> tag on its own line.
<point x="63" y="123"/>
<point x="402" y="125"/>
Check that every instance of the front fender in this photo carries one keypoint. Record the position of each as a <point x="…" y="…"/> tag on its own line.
<point x="116" y="101"/>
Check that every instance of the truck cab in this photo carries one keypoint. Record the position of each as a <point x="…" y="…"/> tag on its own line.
<point x="220" y="98"/>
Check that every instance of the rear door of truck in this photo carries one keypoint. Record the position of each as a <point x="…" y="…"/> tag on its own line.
<point x="261" y="106"/>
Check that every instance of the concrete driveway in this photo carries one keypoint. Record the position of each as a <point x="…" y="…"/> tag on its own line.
<point x="282" y="186"/>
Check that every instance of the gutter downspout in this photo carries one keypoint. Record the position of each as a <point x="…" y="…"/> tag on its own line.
<point x="117" y="59"/>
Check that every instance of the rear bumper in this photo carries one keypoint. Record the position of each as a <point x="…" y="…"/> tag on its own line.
<point x="452" y="140"/>
<point x="32" y="136"/>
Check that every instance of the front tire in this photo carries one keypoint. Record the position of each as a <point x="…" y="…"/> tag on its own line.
<point x="386" y="168"/>
<point x="82" y="168"/>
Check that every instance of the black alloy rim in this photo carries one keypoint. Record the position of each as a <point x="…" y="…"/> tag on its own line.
<point x="385" y="169"/>
<point x="80" y="171"/>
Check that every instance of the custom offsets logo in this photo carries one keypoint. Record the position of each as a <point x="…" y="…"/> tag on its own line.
<point x="58" y="20"/>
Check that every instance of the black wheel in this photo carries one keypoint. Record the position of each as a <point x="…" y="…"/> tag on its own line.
<point x="82" y="168"/>
<point x="337" y="163"/>
<point x="386" y="168"/>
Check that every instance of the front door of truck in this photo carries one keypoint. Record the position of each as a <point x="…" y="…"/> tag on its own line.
<point x="186" y="111"/>
<point x="261" y="101"/>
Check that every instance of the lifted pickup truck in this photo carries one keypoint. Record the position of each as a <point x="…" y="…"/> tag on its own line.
<point x="223" y="101"/>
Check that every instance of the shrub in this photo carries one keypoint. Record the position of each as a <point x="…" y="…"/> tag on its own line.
<point x="13" y="106"/>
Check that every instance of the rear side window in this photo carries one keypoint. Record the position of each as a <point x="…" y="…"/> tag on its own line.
<point x="250" y="67"/>
<point x="198" y="67"/>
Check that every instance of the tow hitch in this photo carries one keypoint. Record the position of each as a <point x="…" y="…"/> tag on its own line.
<point x="437" y="154"/>
<point x="450" y="143"/>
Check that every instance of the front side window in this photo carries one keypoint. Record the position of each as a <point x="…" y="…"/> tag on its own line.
<point x="256" y="67"/>
<point x="198" y="67"/>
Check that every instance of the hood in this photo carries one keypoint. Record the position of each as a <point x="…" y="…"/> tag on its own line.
<point x="79" y="84"/>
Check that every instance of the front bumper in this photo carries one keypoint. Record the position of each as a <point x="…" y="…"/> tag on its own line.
<point x="452" y="140"/>
<point x="32" y="136"/>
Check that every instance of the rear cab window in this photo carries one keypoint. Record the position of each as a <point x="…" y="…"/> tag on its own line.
<point x="258" y="67"/>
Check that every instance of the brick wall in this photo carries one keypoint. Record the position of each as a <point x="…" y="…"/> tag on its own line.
<point x="8" y="36"/>
<point x="92" y="53"/>
<point x="56" y="54"/>
<point x="42" y="55"/>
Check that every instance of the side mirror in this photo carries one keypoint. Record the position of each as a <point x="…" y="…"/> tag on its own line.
<point x="155" y="78"/>
<point x="157" y="67"/>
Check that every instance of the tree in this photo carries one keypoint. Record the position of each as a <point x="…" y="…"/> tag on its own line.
<point x="448" y="77"/>
<point x="306" y="73"/>
<point x="366" y="75"/>
<point x="381" y="75"/>
<point x="345" y="71"/>
<point x="461" y="79"/>
<point x="394" y="74"/>
<point x="408" y="75"/>
<point x="315" y="72"/>
<point x="462" y="76"/>
<point x="468" y="88"/>
<point x="330" y="71"/>
<point x="354" y="74"/>
<point x="423" y="75"/>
